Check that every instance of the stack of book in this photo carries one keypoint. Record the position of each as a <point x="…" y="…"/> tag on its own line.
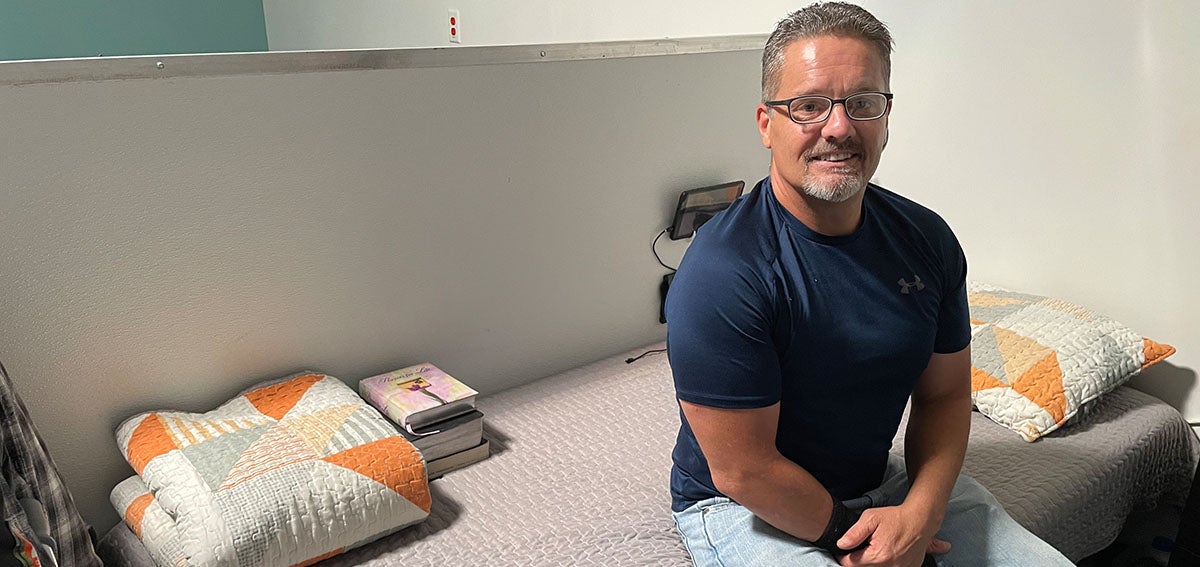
<point x="434" y="411"/>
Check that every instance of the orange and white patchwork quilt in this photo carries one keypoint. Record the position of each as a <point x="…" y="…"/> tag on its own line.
<point x="1037" y="361"/>
<point x="287" y="473"/>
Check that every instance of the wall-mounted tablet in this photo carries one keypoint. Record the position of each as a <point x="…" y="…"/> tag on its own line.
<point x="696" y="206"/>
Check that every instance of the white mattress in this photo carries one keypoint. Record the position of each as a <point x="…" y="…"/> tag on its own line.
<point x="580" y="463"/>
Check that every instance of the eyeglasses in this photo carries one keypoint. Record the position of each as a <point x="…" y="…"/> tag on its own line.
<point x="810" y="109"/>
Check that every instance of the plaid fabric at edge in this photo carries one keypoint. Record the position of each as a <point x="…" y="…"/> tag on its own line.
<point x="25" y="455"/>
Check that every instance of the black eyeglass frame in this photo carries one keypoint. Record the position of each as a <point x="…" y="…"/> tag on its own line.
<point x="787" y="104"/>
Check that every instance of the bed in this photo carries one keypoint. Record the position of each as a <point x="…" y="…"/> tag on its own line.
<point x="579" y="465"/>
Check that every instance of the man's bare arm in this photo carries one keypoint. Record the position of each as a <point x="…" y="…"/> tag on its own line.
<point x="939" y="423"/>
<point x="739" y="445"/>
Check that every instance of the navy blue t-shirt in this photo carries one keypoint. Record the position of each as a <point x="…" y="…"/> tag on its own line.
<point x="836" y="329"/>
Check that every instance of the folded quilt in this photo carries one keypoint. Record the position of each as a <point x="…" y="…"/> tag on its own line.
<point x="148" y="521"/>
<point x="289" y="472"/>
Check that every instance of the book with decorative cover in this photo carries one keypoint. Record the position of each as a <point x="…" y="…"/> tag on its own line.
<point x="417" y="396"/>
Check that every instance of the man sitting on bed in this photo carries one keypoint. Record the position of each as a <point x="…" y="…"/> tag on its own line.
<point x="799" y="323"/>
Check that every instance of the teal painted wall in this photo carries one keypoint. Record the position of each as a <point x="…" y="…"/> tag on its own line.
<point x="40" y="29"/>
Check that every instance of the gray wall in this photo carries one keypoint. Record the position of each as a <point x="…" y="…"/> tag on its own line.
<point x="169" y="242"/>
<point x="164" y="243"/>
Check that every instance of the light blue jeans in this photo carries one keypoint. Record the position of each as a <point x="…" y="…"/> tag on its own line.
<point x="719" y="532"/>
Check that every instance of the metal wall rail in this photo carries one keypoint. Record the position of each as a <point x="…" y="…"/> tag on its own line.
<point x="285" y="62"/>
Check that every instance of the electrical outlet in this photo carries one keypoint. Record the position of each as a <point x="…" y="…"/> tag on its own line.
<point x="455" y="26"/>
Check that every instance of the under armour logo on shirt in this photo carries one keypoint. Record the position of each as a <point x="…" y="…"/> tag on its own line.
<point x="905" y="286"/>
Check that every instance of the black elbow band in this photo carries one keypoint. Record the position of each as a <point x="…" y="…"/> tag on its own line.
<point x="839" y="523"/>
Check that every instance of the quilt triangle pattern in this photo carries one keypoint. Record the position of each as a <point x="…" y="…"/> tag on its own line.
<point x="189" y="430"/>
<point x="981" y="380"/>
<point x="277" y="447"/>
<point x="993" y="307"/>
<point x="276" y="400"/>
<point x="148" y="440"/>
<point x="1153" y="351"/>
<point x="992" y="300"/>
<point x="1019" y="353"/>
<point x="317" y="428"/>
<point x="1071" y="309"/>
<point x="985" y="354"/>
<point x="214" y="459"/>
<point x="1042" y="383"/>
<point x="389" y="462"/>
<point x="136" y="511"/>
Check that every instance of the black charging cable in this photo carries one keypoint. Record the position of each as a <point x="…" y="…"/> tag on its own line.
<point x="654" y="249"/>
<point x="634" y="359"/>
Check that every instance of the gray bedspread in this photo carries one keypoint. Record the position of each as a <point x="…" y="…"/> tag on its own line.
<point x="579" y="466"/>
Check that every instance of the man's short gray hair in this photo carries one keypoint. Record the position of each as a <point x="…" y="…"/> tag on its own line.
<point x="837" y="19"/>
